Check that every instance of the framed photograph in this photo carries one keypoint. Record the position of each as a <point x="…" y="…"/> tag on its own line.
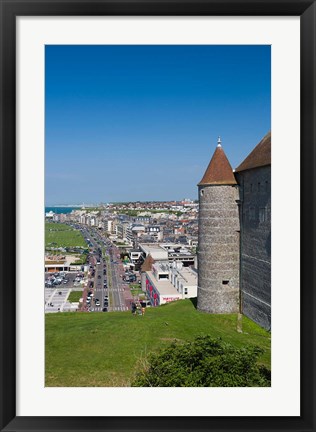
<point x="51" y="88"/>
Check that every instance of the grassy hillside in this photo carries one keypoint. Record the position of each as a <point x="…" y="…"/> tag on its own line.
<point x="104" y="349"/>
<point x="62" y="235"/>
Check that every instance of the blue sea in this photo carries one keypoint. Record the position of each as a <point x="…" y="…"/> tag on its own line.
<point x="64" y="210"/>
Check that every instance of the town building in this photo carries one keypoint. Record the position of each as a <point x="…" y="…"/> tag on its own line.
<point x="49" y="215"/>
<point x="165" y="282"/>
<point x="168" y="252"/>
<point x="56" y="263"/>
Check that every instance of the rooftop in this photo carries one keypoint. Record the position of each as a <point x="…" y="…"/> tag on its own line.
<point x="189" y="276"/>
<point x="260" y="155"/>
<point x="156" y="251"/>
<point x="164" y="286"/>
<point x="65" y="260"/>
<point x="219" y="170"/>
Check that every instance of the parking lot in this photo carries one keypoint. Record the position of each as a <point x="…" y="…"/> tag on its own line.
<point x="56" y="295"/>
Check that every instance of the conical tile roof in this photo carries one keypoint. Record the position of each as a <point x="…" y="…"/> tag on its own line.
<point x="219" y="170"/>
<point x="260" y="155"/>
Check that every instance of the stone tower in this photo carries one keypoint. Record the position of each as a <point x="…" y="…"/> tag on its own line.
<point x="219" y="231"/>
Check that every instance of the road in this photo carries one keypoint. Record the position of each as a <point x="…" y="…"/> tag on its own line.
<point x="105" y="266"/>
<point x="115" y="289"/>
<point x="99" y="291"/>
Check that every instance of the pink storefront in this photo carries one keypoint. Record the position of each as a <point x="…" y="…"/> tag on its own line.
<point x="159" y="292"/>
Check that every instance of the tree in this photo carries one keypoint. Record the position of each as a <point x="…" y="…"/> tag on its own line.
<point x="205" y="362"/>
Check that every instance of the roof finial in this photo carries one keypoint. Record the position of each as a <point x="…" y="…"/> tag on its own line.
<point x="219" y="142"/>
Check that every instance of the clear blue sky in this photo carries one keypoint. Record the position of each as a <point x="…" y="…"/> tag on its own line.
<point x="128" y="123"/>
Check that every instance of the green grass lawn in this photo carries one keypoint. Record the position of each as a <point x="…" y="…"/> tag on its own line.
<point x="105" y="349"/>
<point x="136" y="290"/>
<point x="74" y="296"/>
<point x="61" y="235"/>
<point x="57" y="226"/>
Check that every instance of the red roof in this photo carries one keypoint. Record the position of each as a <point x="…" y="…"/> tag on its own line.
<point x="219" y="170"/>
<point x="260" y="155"/>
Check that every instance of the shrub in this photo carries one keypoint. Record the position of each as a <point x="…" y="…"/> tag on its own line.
<point x="205" y="362"/>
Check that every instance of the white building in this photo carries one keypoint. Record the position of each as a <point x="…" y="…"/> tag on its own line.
<point x="157" y="252"/>
<point x="169" y="282"/>
<point x="49" y="215"/>
<point x="184" y="279"/>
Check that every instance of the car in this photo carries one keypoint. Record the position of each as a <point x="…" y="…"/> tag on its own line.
<point x="97" y="303"/>
<point x="99" y="277"/>
<point x="104" y="309"/>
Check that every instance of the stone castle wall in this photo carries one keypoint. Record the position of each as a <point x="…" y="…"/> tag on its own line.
<point x="256" y="244"/>
<point x="218" y="249"/>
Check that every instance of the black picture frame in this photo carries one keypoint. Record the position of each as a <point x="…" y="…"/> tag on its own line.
<point x="11" y="9"/>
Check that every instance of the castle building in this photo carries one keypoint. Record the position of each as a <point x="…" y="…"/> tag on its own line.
<point x="218" y="242"/>
<point x="234" y="246"/>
